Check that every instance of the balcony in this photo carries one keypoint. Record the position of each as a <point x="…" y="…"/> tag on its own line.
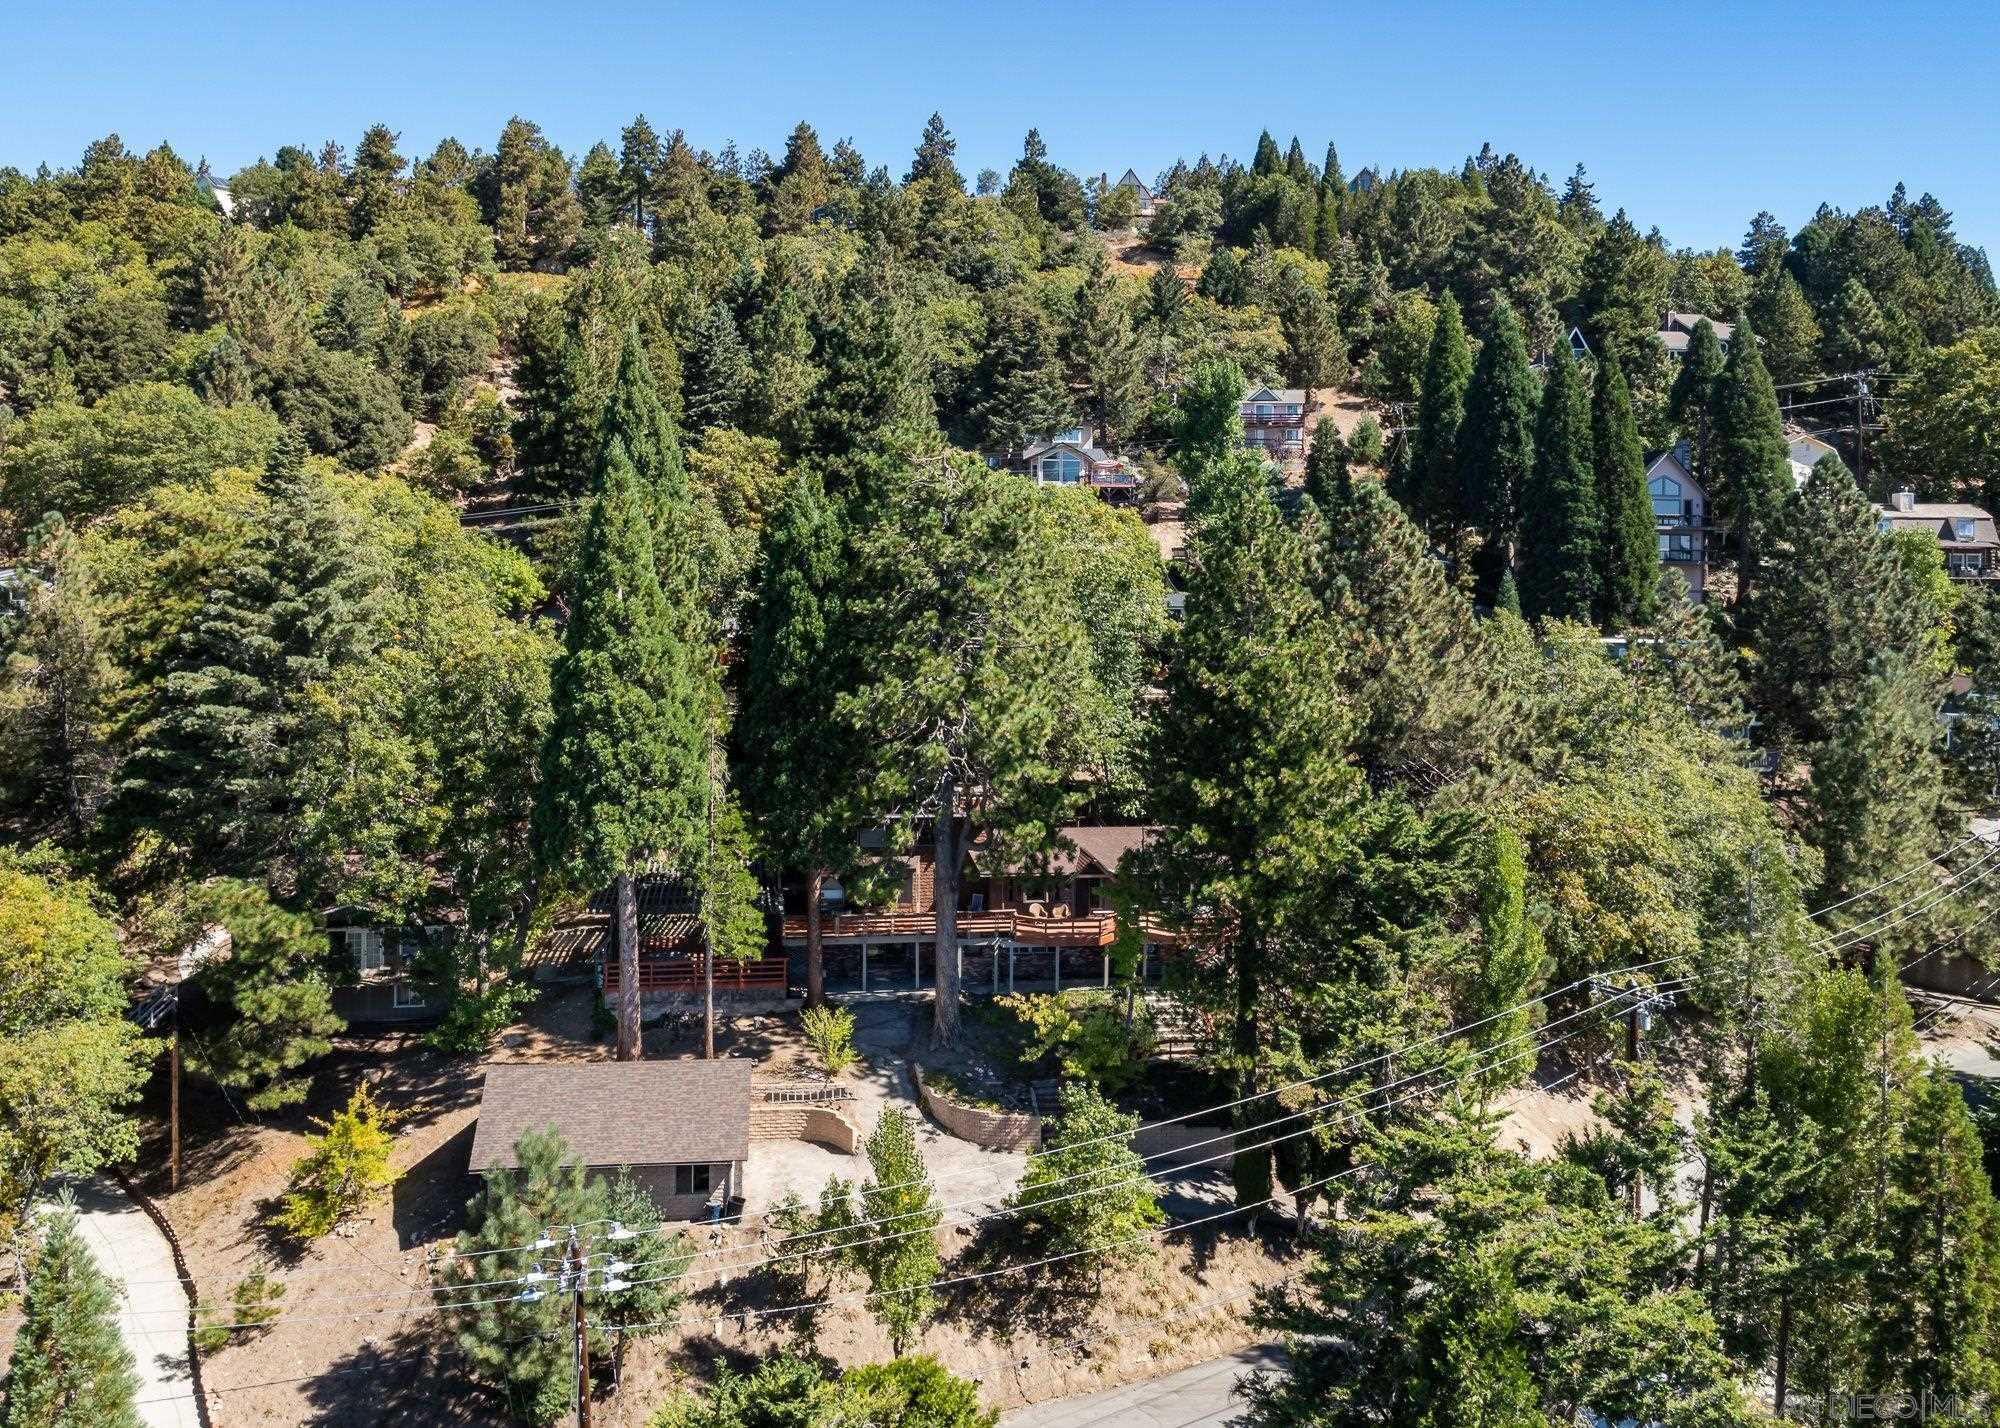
<point x="1251" y="418"/>
<point x="1093" y="930"/>
<point x="684" y="974"/>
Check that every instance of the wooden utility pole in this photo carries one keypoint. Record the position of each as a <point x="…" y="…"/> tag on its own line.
<point x="1632" y="1055"/>
<point x="174" y="1096"/>
<point x="1860" y="428"/>
<point x="582" y="1335"/>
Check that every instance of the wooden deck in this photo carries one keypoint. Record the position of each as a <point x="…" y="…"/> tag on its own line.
<point x="1008" y="925"/>
<point x="683" y="974"/>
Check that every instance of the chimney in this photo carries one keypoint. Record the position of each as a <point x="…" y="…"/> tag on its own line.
<point x="1903" y="500"/>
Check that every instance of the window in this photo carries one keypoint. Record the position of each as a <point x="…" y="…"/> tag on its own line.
<point x="1962" y="528"/>
<point x="1263" y="411"/>
<point x="362" y="944"/>
<point x="1075" y="434"/>
<point x="1667" y="505"/>
<point x="690" y="1179"/>
<point x="1062" y="467"/>
<point x="1292" y="409"/>
<point x="407" y="996"/>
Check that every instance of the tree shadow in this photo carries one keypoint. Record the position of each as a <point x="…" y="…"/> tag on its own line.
<point x="401" y="1380"/>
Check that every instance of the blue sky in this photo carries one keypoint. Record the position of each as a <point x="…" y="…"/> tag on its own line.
<point x="1691" y="115"/>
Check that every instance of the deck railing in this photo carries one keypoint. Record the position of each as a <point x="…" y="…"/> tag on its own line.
<point x="1098" y="929"/>
<point x="684" y="974"/>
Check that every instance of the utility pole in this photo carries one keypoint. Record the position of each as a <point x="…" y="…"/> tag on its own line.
<point x="582" y="1327"/>
<point x="1632" y="1030"/>
<point x="1860" y="428"/>
<point x="174" y="1096"/>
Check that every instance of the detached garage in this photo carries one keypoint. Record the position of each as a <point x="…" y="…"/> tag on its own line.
<point x="682" y="1127"/>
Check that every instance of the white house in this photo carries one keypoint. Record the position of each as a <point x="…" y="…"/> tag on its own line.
<point x="1680" y="516"/>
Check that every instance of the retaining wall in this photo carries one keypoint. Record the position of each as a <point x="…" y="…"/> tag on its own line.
<point x="822" y="1125"/>
<point x="990" y="1130"/>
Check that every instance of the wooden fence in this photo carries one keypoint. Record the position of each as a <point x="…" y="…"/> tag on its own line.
<point x="684" y="974"/>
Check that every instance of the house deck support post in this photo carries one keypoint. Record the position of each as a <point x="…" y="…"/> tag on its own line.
<point x="864" y="964"/>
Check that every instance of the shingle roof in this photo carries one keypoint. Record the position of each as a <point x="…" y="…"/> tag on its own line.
<point x="1277" y="394"/>
<point x="1105" y="846"/>
<point x="618" y="1112"/>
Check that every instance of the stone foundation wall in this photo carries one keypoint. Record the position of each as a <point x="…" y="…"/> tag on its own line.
<point x="990" y="1130"/>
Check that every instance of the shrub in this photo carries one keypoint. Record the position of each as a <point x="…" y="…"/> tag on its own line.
<point x="346" y="1169"/>
<point x="1365" y="446"/>
<point x="1082" y="1040"/>
<point x="830" y="1033"/>
<point x="251" y="1308"/>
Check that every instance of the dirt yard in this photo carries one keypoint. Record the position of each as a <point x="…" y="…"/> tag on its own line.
<point x="356" y="1345"/>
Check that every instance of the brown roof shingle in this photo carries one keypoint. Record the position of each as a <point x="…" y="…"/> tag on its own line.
<point x="618" y="1112"/>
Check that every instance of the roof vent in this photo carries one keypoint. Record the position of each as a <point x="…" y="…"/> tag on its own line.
<point x="1904" y="500"/>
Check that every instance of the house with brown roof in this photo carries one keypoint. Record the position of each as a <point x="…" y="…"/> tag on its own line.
<point x="1677" y="329"/>
<point x="681" y="1127"/>
<point x="1965" y="533"/>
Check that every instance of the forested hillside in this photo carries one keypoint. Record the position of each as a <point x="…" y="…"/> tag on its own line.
<point x="460" y="539"/>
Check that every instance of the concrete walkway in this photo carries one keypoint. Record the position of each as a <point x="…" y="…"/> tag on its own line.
<point x="1200" y="1397"/>
<point x="132" y="1252"/>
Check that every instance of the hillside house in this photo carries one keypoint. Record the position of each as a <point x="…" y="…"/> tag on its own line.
<point x="1277" y="421"/>
<point x="672" y="949"/>
<point x="1149" y="203"/>
<point x="681" y="1127"/>
<point x="1073" y="458"/>
<point x="1680" y="515"/>
<point x="1806" y="451"/>
<point x="1365" y="181"/>
<point x="382" y="961"/>
<point x="1965" y="533"/>
<point x="1051" y="920"/>
<point x="1677" y="330"/>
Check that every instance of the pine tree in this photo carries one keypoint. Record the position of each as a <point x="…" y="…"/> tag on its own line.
<point x="1251" y="759"/>
<point x="1267" y="160"/>
<point x="624" y="768"/>
<point x="1751" y="462"/>
<point x="1630" y="572"/>
<point x="215" y="771"/>
<point x="717" y="378"/>
<point x="1691" y="402"/>
<point x="799" y="775"/>
<point x="1391" y="609"/>
<point x="871" y="386"/>
<point x="640" y="157"/>
<point x="522" y="1342"/>
<point x="934" y="156"/>
<point x="1102" y="353"/>
<point x="1208" y="429"/>
<point x="1512" y="962"/>
<point x="1017" y="387"/>
<point x="1791" y="334"/>
<point x="1434" y="494"/>
<point x="901" y="1210"/>
<point x="56" y="686"/>
<point x="1496" y="446"/>
<point x="556" y="432"/>
<point x="1314" y="353"/>
<point x="71" y="1368"/>
<point x="1561" y="532"/>
<point x="1328" y="478"/>
<point x="783" y="373"/>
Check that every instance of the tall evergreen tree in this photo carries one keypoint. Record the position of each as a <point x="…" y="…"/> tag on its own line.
<point x="1102" y="352"/>
<point x="1018" y="391"/>
<point x="1750" y="460"/>
<point x="624" y="767"/>
<point x="1691" y="402"/>
<point x="900" y="1206"/>
<point x="871" y="385"/>
<point x="1561" y="529"/>
<point x="1496" y="446"/>
<point x="71" y="1368"/>
<point x="1835" y="599"/>
<point x="935" y="153"/>
<point x="214" y="771"/>
<point x="717" y="378"/>
<point x="640" y="158"/>
<point x="799" y="773"/>
<point x="1434" y="491"/>
<point x="1629" y="577"/>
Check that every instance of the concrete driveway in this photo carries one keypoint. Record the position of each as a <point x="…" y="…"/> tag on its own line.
<point x="134" y="1255"/>
<point x="1204" y="1396"/>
